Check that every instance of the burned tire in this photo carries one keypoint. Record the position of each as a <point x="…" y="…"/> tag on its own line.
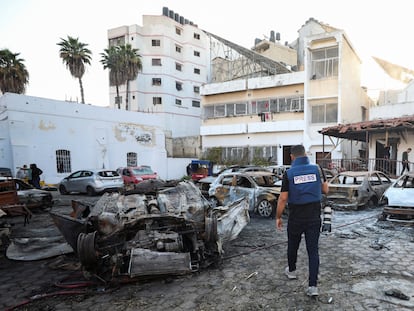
<point x="62" y="190"/>
<point x="264" y="208"/>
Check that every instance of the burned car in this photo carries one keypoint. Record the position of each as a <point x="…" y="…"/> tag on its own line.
<point x="176" y="231"/>
<point x="398" y="200"/>
<point x="352" y="190"/>
<point x="262" y="188"/>
<point x="14" y="191"/>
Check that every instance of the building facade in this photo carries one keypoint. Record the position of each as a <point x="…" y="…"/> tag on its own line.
<point x="262" y="117"/>
<point x="175" y="63"/>
<point x="62" y="137"/>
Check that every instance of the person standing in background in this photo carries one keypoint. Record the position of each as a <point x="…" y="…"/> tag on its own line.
<point x="405" y="162"/>
<point x="35" y="178"/>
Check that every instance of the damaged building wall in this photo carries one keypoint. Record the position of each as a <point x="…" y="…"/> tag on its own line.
<point x="186" y="147"/>
<point x="95" y="137"/>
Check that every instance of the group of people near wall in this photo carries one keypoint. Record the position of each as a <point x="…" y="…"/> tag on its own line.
<point x="30" y="174"/>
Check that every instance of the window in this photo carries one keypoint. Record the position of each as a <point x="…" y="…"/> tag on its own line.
<point x="178" y="66"/>
<point x="117" y="41"/>
<point x="156" y="42"/>
<point x="156" y="61"/>
<point x="197" y="53"/>
<point x="197" y="71"/>
<point x="178" y="101"/>
<point x="241" y="109"/>
<point x="325" y="113"/>
<point x="178" y="31"/>
<point x="132" y="159"/>
<point x="197" y="36"/>
<point x="157" y="101"/>
<point x="196" y="103"/>
<point x="156" y="81"/>
<point x="178" y="49"/>
<point x="178" y="86"/>
<point x="196" y="89"/>
<point x="325" y="63"/>
<point x="63" y="161"/>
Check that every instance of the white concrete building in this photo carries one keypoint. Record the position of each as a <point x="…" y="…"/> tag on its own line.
<point x="175" y="63"/>
<point x="62" y="137"/>
<point x="262" y="117"/>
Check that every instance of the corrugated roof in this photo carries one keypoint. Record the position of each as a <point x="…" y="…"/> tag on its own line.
<point x="358" y="131"/>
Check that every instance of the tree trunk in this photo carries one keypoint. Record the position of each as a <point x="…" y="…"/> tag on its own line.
<point x="117" y="101"/>
<point x="81" y="90"/>
<point x="127" y="95"/>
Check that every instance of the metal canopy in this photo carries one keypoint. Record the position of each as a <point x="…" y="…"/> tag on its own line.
<point x="359" y="130"/>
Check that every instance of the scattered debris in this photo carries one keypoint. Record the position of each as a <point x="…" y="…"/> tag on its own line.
<point x="397" y="294"/>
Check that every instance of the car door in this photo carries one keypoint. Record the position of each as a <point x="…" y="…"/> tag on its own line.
<point x="72" y="182"/>
<point x="377" y="185"/>
<point x="244" y="187"/>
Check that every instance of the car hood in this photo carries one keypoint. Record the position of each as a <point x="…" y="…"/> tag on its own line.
<point x="400" y="196"/>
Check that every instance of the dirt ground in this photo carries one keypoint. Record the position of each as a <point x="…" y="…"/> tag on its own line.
<point x="361" y="261"/>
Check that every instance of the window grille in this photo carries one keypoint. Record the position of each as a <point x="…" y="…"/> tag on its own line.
<point x="63" y="164"/>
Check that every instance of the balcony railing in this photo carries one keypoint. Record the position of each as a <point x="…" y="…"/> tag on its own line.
<point x="392" y="168"/>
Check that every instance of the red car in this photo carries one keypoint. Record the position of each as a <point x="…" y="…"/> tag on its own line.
<point x="136" y="174"/>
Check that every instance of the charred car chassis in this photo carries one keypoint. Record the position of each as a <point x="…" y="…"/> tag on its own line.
<point x="174" y="230"/>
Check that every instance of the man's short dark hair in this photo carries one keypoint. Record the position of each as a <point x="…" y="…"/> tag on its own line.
<point x="298" y="151"/>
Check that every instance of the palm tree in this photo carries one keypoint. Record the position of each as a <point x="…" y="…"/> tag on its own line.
<point x="132" y="65"/>
<point x="123" y="63"/>
<point x="111" y="60"/>
<point x="13" y="73"/>
<point x="75" y="55"/>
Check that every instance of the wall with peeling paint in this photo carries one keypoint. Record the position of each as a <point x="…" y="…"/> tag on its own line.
<point x="33" y="128"/>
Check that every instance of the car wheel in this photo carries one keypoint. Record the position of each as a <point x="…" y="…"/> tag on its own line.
<point x="264" y="208"/>
<point x="90" y="191"/>
<point x="62" y="189"/>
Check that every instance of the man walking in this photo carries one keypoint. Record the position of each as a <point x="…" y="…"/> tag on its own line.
<point x="302" y="188"/>
<point x="405" y="162"/>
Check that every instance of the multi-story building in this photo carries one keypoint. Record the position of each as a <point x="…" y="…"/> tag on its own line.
<point x="175" y="63"/>
<point x="254" y="117"/>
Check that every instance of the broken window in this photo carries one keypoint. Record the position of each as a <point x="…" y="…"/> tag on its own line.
<point x="156" y="81"/>
<point x="63" y="164"/>
<point x="324" y="63"/>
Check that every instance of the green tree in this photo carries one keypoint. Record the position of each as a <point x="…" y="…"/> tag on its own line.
<point x="123" y="63"/>
<point x="13" y="73"/>
<point x="75" y="55"/>
<point x="111" y="59"/>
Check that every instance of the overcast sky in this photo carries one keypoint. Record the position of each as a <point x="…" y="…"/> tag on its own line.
<point x="33" y="27"/>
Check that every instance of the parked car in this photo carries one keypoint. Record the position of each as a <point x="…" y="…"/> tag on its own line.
<point x="259" y="186"/>
<point x="135" y="174"/>
<point x="5" y="172"/>
<point x="92" y="182"/>
<point x="398" y="200"/>
<point x="352" y="190"/>
<point x="14" y="191"/>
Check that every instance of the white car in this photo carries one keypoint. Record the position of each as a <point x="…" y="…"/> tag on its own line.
<point x="398" y="200"/>
<point x="92" y="182"/>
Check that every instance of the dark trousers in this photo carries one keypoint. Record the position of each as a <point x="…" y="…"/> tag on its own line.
<point x="405" y="167"/>
<point x="311" y="229"/>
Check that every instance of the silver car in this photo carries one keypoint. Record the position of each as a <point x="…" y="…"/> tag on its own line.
<point x="92" y="182"/>
<point x="262" y="188"/>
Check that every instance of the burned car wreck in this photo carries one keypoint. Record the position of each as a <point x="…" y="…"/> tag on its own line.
<point x="164" y="231"/>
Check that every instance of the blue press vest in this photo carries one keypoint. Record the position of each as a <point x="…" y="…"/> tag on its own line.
<point x="304" y="182"/>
